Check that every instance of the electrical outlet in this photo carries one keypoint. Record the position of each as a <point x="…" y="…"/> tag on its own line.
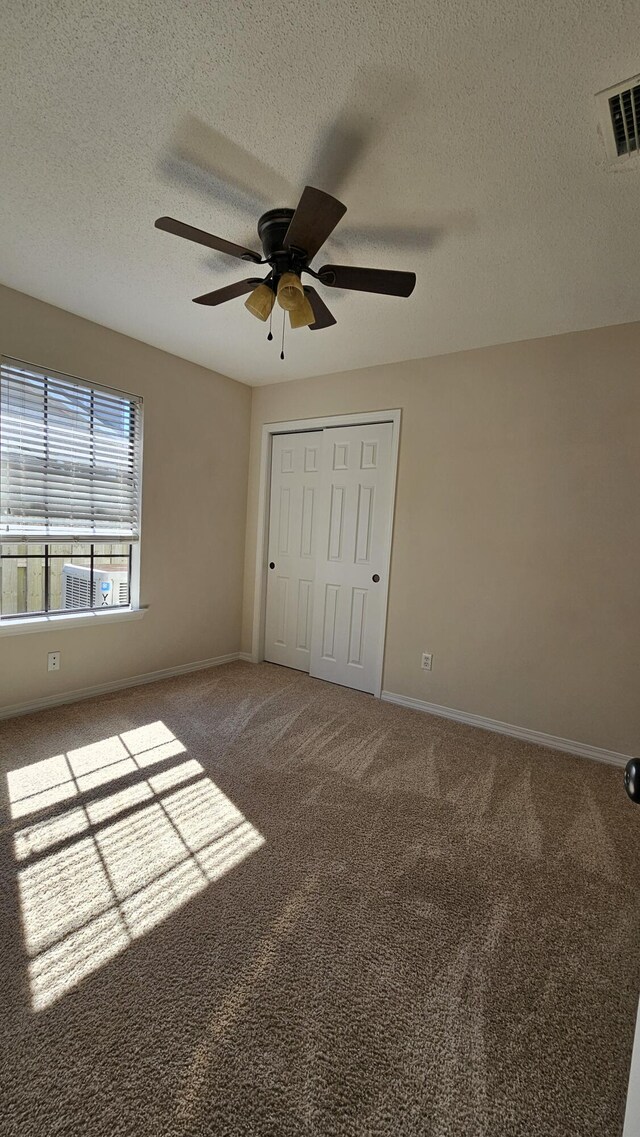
<point x="427" y="661"/>
<point x="53" y="661"/>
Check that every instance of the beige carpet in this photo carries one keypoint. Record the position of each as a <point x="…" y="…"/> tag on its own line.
<point x="248" y="902"/>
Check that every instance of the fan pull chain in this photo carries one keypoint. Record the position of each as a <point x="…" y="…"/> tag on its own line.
<point x="283" y="322"/>
<point x="270" y="336"/>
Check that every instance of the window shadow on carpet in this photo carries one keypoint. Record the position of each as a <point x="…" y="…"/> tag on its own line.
<point x="99" y="866"/>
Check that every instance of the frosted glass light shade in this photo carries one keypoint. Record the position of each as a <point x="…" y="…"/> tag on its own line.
<point x="260" y="301"/>
<point x="290" y="291"/>
<point x="302" y="315"/>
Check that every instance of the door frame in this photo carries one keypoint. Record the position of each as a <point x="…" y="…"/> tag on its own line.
<point x="298" y="426"/>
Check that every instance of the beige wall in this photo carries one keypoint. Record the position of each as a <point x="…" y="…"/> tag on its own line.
<point x="196" y="427"/>
<point x="516" y="555"/>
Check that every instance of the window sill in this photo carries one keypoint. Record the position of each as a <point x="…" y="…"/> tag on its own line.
<point x="65" y="621"/>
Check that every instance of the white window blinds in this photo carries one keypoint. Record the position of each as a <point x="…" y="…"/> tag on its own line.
<point x="70" y="458"/>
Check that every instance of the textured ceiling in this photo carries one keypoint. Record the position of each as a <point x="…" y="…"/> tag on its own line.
<point x="483" y="142"/>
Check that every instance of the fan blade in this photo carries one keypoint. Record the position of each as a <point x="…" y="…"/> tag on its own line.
<point x="229" y="292"/>
<point x="314" y="220"/>
<point x="420" y="233"/>
<point x="323" y="317"/>
<point x="376" y="98"/>
<point x="340" y="149"/>
<point x="382" y="280"/>
<point x="213" y="165"/>
<point x="179" y="229"/>
<point x="418" y="238"/>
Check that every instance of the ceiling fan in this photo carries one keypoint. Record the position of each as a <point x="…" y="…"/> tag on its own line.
<point x="290" y="240"/>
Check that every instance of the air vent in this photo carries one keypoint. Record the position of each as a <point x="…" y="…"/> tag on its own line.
<point x="625" y="116"/>
<point x="619" y="109"/>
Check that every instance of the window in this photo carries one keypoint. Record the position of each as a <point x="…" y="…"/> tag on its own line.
<point x="70" y="470"/>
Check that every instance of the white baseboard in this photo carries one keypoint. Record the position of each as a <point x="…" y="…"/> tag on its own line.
<point x="114" y="685"/>
<point x="582" y="749"/>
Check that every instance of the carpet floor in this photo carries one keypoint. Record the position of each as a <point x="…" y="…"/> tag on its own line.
<point x="244" y="901"/>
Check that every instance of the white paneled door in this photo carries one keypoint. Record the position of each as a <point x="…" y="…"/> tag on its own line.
<point x="328" y="551"/>
<point x="353" y="538"/>
<point x="295" y="481"/>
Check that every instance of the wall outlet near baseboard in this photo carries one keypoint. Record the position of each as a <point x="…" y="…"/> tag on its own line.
<point x="427" y="661"/>
<point x="53" y="661"/>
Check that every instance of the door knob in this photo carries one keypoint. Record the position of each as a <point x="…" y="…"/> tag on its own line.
<point x="375" y="578"/>
<point x="272" y="564"/>
<point x="632" y="779"/>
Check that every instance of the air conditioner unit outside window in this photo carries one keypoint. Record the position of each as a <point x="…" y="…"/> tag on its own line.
<point x="110" y="586"/>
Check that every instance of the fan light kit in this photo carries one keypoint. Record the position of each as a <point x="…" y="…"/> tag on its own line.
<point x="290" y="240"/>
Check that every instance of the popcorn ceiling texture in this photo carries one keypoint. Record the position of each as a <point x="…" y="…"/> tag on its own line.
<point x="439" y="934"/>
<point x="486" y="143"/>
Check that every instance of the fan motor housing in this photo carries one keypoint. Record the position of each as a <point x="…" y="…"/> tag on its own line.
<point x="272" y="228"/>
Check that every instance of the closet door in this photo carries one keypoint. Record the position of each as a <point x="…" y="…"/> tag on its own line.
<point x="353" y="540"/>
<point x="295" y="477"/>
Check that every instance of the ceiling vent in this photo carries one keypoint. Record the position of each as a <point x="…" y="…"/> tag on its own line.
<point x="619" y="114"/>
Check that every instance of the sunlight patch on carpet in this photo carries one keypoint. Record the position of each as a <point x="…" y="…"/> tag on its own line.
<point x="98" y="867"/>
